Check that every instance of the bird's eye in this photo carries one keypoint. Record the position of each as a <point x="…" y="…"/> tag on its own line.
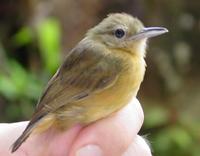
<point x="119" y="33"/>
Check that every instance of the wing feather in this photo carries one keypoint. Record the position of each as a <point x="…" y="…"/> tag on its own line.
<point x="84" y="72"/>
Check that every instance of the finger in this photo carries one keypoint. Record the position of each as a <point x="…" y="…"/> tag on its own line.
<point x="9" y="133"/>
<point x="112" y="135"/>
<point x="13" y="130"/>
<point x="52" y="142"/>
<point x="139" y="147"/>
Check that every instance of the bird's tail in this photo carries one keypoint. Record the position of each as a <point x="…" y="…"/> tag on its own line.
<point x="21" y="139"/>
<point x="29" y="129"/>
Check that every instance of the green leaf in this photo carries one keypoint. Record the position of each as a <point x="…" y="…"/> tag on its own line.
<point x="19" y="84"/>
<point x="23" y="36"/>
<point x="174" y="138"/>
<point x="19" y="77"/>
<point x="181" y="137"/>
<point x="33" y="88"/>
<point x="7" y="87"/>
<point x="156" y="116"/>
<point x="162" y="142"/>
<point x="49" y="42"/>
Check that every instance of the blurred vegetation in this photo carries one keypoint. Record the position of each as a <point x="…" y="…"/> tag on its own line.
<point x="35" y="35"/>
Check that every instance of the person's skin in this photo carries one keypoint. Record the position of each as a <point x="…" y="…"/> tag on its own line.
<point x="116" y="135"/>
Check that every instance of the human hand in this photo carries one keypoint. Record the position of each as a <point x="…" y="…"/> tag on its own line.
<point x="115" y="135"/>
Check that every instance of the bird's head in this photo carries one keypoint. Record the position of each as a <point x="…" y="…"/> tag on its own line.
<point x="122" y="31"/>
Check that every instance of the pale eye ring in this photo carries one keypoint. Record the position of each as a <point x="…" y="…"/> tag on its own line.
<point x="119" y="33"/>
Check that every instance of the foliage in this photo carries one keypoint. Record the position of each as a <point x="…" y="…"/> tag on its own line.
<point x="19" y="86"/>
<point x="171" y="138"/>
<point x="49" y="42"/>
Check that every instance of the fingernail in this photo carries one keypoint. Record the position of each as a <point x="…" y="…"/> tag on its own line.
<point x="90" y="150"/>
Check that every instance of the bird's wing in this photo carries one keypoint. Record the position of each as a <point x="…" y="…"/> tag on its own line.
<point x="84" y="72"/>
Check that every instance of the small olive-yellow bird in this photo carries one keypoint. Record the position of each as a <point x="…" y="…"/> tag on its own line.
<point x="98" y="77"/>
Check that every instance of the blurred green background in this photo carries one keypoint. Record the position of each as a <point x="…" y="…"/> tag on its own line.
<point x="36" y="35"/>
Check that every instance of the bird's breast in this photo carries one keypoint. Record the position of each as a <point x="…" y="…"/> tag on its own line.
<point x="109" y="100"/>
<point x="114" y="98"/>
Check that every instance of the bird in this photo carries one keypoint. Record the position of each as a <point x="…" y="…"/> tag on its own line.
<point x="97" y="78"/>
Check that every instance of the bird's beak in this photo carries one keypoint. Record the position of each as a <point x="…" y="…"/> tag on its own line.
<point x="149" y="32"/>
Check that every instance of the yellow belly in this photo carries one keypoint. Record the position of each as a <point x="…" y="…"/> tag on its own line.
<point x="101" y="104"/>
<point x="114" y="98"/>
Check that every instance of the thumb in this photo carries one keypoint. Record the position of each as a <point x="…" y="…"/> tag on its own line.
<point x="110" y="136"/>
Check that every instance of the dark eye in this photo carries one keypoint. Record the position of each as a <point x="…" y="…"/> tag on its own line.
<point x="119" y="33"/>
